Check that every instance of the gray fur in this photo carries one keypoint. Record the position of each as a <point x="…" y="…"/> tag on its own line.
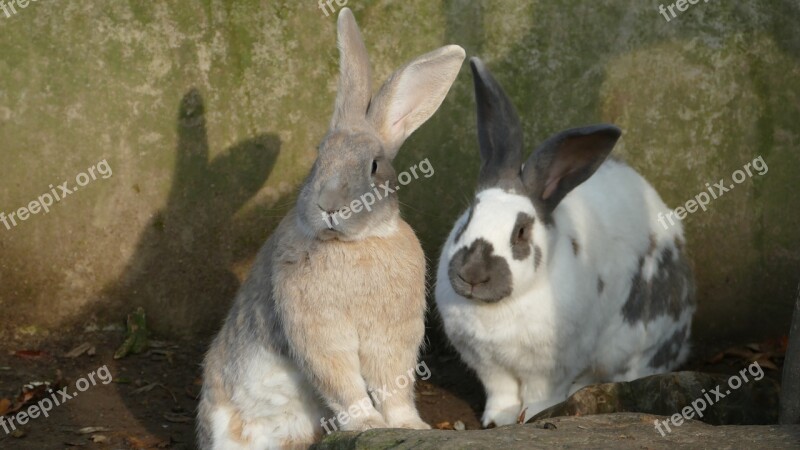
<point x="670" y="349"/>
<point x="669" y="291"/>
<point x="341" y="175"/>
<point x="537" y="256"/>
<point x="499" y="132"/>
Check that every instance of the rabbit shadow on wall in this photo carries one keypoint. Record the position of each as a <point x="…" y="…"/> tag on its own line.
<point x="180" y="272"/>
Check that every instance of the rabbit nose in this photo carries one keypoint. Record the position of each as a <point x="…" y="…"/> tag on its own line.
<point x="329" y="212"/>
<point x="473" y="275"/>
<point x="332" y="195"/>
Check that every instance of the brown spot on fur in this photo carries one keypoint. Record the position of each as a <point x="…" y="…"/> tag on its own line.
<point x="575" y="246"/>
<point x="236" y="429"/>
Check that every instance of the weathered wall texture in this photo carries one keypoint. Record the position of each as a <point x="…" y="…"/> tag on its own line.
<point x="208" y="113"/>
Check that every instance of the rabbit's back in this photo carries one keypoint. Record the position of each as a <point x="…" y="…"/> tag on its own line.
<point x="636" y="282"/>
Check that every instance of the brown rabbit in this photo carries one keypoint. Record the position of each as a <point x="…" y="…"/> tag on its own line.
<point x="332" y="308"/>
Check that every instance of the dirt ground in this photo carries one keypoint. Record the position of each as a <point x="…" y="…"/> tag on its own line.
<point x="151" y="401"/>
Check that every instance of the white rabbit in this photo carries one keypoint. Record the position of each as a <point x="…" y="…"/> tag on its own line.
<point x="560" y="274"/>
<point x="334" y="306"/>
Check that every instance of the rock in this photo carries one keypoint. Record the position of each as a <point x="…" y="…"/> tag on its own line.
<point x="618" y="431"/>
<point x="755" y="402"/>
<point x="790" y="393"/>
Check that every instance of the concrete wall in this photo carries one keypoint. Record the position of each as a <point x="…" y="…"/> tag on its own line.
<point x="208" y="114"/>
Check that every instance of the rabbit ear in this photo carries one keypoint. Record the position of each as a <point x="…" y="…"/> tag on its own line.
<point x="499" y="130"/>
<point x="412" y="94"/>
<point x="355" y="86"/>
<point x="566" y="160"/>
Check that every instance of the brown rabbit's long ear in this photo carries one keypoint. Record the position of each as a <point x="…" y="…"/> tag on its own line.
<point x="355" y="87"/>
<point x="412" y="94"/>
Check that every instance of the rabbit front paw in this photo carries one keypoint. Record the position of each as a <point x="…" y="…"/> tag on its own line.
<point x="414" y="424"/>
<point x="500" y="416"/>
<point x="366" y="423"/>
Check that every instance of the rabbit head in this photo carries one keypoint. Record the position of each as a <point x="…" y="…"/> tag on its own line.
<point x="348" y="194"/>
<point x="500" y="246"/>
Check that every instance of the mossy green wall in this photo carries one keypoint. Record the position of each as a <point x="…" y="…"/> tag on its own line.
<point x="209" y="112"/>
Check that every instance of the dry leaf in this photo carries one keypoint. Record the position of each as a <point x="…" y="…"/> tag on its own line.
<point x="145" y="388"/>
<point x="767" y="364"/>
<point x="79" y="350"/>
<point x="753" y="347"/>
<point x="160" y="344"/>
<point x="716" y="358"/>
<point x="783" y="344"/>
<point x="31" y="393"/>
<point x="765" y="353"/>
<point x="459" y="426"/>
<point x="444" y="426"/>
<point x="521" y="417"/>
<point x="30" y="354"/>
<point x="147" y="443"/>
<point x="92" y="430"/>
<point x="99" y="439"/>
<point x="151" y="386"/>
<point x="178" y="418"/>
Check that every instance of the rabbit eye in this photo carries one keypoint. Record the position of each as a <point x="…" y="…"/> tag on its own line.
<point x="374" y="166"/>
<point x="522" y="231"/>
<point x="523" y="234"/>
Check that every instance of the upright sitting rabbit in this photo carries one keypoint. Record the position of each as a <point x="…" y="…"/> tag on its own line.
<point x="334" y="305"/>
<point x="559" y="275"/>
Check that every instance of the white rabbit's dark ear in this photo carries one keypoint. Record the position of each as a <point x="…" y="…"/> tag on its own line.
<point x="412" y="94"/>
<point x="355" y="86"/>
<point x="499" y="131"/>
<point x="566" y="160"/>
